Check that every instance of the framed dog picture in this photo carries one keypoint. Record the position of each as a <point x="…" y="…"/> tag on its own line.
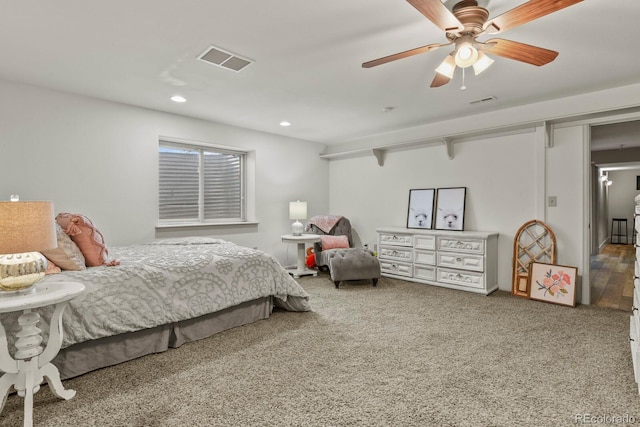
<point x="420" y="213"/>
<point x="450" y="208"/>
<point x="553" y="283"/>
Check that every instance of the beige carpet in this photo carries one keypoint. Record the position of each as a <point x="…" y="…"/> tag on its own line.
<point x="399" y="354"/>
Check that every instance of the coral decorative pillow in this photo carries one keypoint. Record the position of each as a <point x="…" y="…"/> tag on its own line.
<point x="67" y="255"/>
<point x="86" y="236"/>
<point x="334" y="242"/>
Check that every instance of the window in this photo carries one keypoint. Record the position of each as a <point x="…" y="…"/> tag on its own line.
<point x="200" y="184"/>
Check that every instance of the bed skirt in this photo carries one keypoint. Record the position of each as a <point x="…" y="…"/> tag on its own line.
<point x="88" y="356"/>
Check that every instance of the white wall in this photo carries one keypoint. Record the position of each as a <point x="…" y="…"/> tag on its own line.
<point x="99" y="158"/>
<point x="500" y="175"/>
<point x="600" y="209"/>
<point x="567" y="179"/>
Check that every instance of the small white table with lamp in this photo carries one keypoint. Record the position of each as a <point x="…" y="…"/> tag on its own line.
<point x="298" y="211"/>
<point x="28" y="228"/>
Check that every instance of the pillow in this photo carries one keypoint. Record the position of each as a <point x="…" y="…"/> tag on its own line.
<point x="67" y="255"/>
<point x="86" y="236"/>
<point x="334" y="242"/>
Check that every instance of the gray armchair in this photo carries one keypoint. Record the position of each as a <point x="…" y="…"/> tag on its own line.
<point x="343" y="263"/>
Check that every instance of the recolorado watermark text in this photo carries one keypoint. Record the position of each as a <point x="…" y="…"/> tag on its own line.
<point x="604" y="419"/>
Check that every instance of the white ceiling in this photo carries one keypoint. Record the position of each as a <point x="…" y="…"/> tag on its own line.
<point x="308" y="57"/>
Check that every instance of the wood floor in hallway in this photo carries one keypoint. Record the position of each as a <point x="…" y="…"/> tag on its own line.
<point x="612" y="277"/>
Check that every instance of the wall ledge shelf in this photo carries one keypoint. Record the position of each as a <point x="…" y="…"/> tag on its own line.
<point x="447" y="141"/>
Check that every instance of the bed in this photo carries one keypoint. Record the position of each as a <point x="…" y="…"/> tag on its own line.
<point x="164" y="294"/>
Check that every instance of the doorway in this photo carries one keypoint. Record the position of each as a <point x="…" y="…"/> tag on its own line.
<point x="615" y="168"/>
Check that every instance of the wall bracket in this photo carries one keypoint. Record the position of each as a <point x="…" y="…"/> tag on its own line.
<point x="449" y="143"/>
<point x="380" y="154"/>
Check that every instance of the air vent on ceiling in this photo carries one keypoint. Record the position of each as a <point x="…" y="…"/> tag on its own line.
<point x="221" y="58"/>
<point x="477" y="101"/>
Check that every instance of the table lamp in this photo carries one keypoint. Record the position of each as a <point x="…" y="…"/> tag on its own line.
<point x="297" y="211"/>
<point x="25" y="229"/>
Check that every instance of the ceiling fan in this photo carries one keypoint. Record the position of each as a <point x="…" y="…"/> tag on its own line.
<point x="466" y="22"/>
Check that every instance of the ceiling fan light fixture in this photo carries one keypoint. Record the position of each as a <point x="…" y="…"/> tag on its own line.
<point x="466" y="55"/>
<point x="447" y="67"/>
<point x="482" y="63"/>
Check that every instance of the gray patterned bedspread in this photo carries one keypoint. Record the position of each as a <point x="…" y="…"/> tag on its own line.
<point x="168" y="281"/>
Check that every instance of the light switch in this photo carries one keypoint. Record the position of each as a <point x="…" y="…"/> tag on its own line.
<point x="553" y="201"/>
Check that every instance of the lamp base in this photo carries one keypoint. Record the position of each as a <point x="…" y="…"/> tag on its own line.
<point x="297" y="228"/>
<point x="19" y="272"/>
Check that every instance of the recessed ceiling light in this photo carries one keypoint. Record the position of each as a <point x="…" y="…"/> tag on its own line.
<point x="178" y="98"/>
<point x="285" y="123"/>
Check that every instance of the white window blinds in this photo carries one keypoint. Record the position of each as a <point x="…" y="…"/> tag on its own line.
<point x="200" y="184"/>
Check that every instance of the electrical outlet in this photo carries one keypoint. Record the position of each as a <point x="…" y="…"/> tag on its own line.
<point x="553" y="201"/>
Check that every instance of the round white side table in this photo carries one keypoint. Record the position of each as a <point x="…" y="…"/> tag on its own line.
<point x="32" y="363"/>
<point x="301" y="269"/>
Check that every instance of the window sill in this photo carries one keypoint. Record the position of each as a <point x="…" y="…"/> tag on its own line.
<point x="209" y="225"/>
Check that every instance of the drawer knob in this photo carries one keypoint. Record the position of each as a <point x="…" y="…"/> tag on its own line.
<point x="458" y="259"/>
<point x="634" y="309"/>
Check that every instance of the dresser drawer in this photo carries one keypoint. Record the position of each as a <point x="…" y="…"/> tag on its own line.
<point x="397" y="268"/>
<point x="447" y="243"/>
<point x="396" y="239"/>
<point x="424" y="242"/>
<point x="424" y="257"/>
<point x="636" y="222"/>
<point x="464" y="261"/>
<point x="396" y="253"/>
<point x="461" y="278"/>
<point x="424" y="272"/>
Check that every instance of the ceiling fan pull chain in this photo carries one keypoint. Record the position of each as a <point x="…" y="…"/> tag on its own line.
<point x="463" y="87"/>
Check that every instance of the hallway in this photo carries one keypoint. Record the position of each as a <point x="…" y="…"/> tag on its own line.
<point x="612" y="277"/>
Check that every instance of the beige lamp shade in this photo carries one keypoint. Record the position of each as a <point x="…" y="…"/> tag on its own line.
<point x="27" y="227"/>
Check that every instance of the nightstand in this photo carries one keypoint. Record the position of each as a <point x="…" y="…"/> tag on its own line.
<point x="32" y="363"/>
<point x="301" y="269"/>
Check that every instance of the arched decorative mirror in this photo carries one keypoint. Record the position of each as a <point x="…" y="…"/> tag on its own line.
<point x="534" y="242"/>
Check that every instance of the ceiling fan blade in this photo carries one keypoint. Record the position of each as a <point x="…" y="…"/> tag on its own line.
<point x="438" y="13"/>
<point x="402" y="55"/>
<point x="521" y="52"/>
<point x="440" y="80"/>
<point x="526" y="12"/>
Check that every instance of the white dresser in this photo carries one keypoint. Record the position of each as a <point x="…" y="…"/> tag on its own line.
<point x="634" y="327"/>
<point x="464" y="260"/>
